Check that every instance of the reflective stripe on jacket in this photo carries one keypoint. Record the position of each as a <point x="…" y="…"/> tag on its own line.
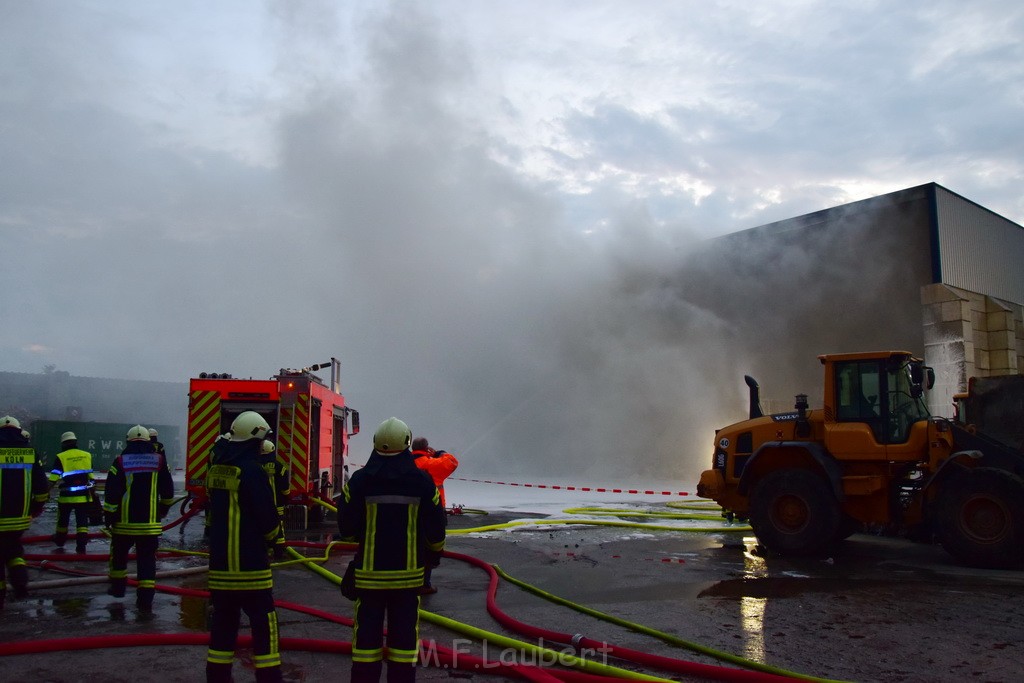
<point x="72" y="472"/>
<point x="243" y="520"/>
<point x="394" y="512"/>
<point x="23" y="485"/>
<point x="139" y="489"/>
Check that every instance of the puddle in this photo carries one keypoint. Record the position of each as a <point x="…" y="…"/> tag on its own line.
<point x="773" y="587"/>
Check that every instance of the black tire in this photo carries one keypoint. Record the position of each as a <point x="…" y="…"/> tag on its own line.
<point x="980" y="518"/>
<point x="794" y="512"/>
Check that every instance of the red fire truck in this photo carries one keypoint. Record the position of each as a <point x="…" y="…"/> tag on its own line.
<point x="311" y="424"/>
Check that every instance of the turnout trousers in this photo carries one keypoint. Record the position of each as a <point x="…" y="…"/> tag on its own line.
<point x="228" y="606"/>
<point x="400" y="608"/>
<point x="145" y="565"/>
<point x="81" y="512"/>
<point x="12" y="562"/>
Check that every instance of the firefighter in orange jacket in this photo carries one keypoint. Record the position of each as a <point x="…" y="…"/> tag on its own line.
<point x="393" y="510"/>
<point x="138" y="493"/>
<point x="23" y="491"/>
<point x="243" y="528"/>
<point x="439" y="465"/>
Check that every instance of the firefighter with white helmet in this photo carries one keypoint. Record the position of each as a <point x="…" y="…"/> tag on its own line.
<point x="73" y="476"/>
<point x="138" y="493"/>
<point x="154" y="437"/>
<point x="277" y="475"/>
<point x="392" y="509"/>
<point x="243" y="527"/>
<point x="23" y="491"/>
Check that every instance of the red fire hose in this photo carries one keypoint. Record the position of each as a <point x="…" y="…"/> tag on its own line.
<point x="444" y="656"/>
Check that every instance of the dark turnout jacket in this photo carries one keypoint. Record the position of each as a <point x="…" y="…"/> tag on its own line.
<point x="393" y="510"/>
<point x="139" y="489"/>
<point x="23" y="484"/>
<point x="243" y="520"/>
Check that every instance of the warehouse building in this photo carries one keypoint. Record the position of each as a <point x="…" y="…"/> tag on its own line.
<point x="53" y="401"/>
<point x="922" y="269"/>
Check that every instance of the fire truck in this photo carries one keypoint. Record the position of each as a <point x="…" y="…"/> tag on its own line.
<point x="311" y="429"/>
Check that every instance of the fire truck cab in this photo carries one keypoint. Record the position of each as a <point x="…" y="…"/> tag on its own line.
<point x="311" y="427"/>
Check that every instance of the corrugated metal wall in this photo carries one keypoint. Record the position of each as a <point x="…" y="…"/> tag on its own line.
<point x="980" y="251"/>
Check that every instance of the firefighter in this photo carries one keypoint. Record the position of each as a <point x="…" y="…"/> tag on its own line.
<point x="394" y="512"/>
<point x="243" y="529"/>
<point x="138" y="493"/>
<point x="23" y="491"/>
<point x="439" y="465"/>
<point x="73" y="476"/>
<point x="277" y="474"/>
<point x="157" y="445"/>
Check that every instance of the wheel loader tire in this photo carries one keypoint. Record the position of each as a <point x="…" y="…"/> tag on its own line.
<point x="794" y="512"/>
<point x="980" y="518"/>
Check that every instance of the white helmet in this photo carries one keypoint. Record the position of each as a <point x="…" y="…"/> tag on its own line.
<point x="138" y="433"/>
<point x="68" y="436"/>
<point x="249" y="425"/>
<point x="392" y="437"/>
<point x="9" y="421"/>
<point x="268" y="447"/>
<point x="153" y="432"/>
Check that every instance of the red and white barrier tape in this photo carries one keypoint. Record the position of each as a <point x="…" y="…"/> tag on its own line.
<point x="588" y="489"/>
<point x="562" y="487"/>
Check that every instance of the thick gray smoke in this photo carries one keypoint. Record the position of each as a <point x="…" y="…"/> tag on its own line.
<point x="483" y="319"/>
<point x="384" y="223"/>
<point x="496" y="329"/>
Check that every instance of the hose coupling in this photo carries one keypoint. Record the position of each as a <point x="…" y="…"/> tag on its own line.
<point x="576" y="640"/>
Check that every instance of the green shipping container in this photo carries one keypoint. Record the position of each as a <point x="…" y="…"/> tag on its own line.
<point x="105" y="440"/>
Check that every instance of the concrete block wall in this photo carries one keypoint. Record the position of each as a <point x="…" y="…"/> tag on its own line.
<point x="967" y="334"/>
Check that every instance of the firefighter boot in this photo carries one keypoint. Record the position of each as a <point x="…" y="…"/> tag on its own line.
<point x="401" y="672"/>
<point x="117" y="587"/>
<point x="18" y="580"/>
<point x="3" y="594"/>
<point x="218" y="673"/>
<point x="144" y="599"/>
<point x="81" y="541"/>
<point x="59" y="537"/>
<point x="270" y="674"/>
<point x="366" y="672"/>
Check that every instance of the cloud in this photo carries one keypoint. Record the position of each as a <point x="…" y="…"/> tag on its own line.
<point x="37" y="348"/>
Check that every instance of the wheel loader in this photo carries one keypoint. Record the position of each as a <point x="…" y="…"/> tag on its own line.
<point x="873" y="458"/>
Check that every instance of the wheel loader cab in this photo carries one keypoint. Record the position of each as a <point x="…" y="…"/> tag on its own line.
<point x="874" y="404"/>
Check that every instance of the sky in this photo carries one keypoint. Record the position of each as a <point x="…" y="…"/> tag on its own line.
<point x="459" y="200"/>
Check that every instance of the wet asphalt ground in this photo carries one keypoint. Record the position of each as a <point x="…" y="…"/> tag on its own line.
<point x="878" y="610"/>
